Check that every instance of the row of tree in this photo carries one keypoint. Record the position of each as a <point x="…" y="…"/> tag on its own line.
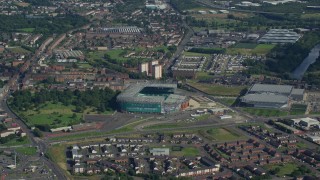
<point x="101" y="99"/>
<point x="44" y="25"/>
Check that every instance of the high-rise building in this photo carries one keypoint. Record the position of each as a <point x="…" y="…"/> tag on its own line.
<point x="152" y="63"/>
<point x="157" y="71"/>
<point x="144" y="67"/>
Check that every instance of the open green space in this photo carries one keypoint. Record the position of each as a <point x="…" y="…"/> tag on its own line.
<point x="314" y="16"/>
<point x="218" y="90"/>
<point x="264" y="112"/>
<point x="17" y="141"/>
<point x="298" y="109"/>
<point x="220" y="134"/>
<point x="284" y="169"/>
<point x="29" y="151"/>
<point x="246" y="45"/>
<point x="263" y="49"/>
<point x="203" y="117"/>
<point x="56" y="153"/>
<point x="126" y="128"/>
<point x="18" y="50"/>
<point x="204" y="76"/>
<point x="162" y="126"/>
<point x="187" y="152"/>
<point x="250" y="49"/>
<point x="228" y="101"/>
<point x="26" y="30"/>
<point x="195" y="54"/>
<point x="55" y="115"/>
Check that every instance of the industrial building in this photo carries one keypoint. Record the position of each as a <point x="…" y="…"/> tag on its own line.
<point x="271" y="96"/>
<point x="152" y="98"/>
<point x="280" y="36"/>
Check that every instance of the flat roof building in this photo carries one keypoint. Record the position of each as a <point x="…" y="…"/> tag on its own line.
<point x="271" y="96"/>
<point x="280" y="36"/>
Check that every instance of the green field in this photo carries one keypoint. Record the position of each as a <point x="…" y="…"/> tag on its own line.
<point x="18" y="50"/>
<point x="162" y="126"/>
<point x="195" y="54"/>
<point x="264" y="112"/>
<point x="246" y="45"/>
<point x="298" y="109"/>
<point x="55" y="115"/>
<point x="228" y="101"/>
<point x="285" y="169"/>
<point x="203" y="76"/>
<point x="26" y="150"/>
<point x="186" y="151"/>
<point x="315" y="16"/>
<point x="218" y="90"/>
<point x="220" y="134"/>
<point x="17" y="141"/>
<point x="26" y="30"/>
<point x="263" y="49"/>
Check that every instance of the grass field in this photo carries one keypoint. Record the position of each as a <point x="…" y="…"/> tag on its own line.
<point x="162" y="126"/>
<point x="246" y="45"/>
<point x="298" y="109"/>
<point x="195" y="54"/>
<point x="203" y="76"/>
<point x="315" y="16"/>
<point x="249" y="49"/>
<point x="26" y="150"/>
<point x="186" y="151"/>
<point x="56" y="153"/>
<point x="18" y="50"/>
<point x="56" y="115"/>
<point x="220" y="134"/>
<point x="264" y="112"/>
<point x="263" y="49"/>
<point x="17" y="141"/>
<point x="218" y="90"/>
<point x="285" y="169"/>
<point x="26" y="30"/>
<point x="228" y="101"/>
<point x="126" y="128"/>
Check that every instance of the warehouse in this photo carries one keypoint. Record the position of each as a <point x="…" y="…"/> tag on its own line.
<point x="152" y="98"/>
<point x="271" y="96"/>
<point x="280" y="36"/>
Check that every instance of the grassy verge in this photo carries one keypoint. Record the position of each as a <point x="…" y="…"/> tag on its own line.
<point x="285" y="169"/>
<point x="220" y="134"/>
<point x="126" y="128"/>
<point x="27" y="150"/>
<point x="187" y="152"/>
<point x="264" y="112"/>
<point x="228" y="101"/>
<point x="218" y="90"/>
<point x="17" y="142"/>
<point x="162" y="126"/>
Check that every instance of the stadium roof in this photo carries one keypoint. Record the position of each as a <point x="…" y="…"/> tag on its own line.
<point x="265" y="98"/>
<point x="132" y="93"/>
<point x="270" y="88"/>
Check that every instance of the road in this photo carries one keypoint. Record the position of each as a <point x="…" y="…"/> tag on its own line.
<point x="36" y="142"/>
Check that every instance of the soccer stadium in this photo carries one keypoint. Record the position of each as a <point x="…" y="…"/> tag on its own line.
<point x="152" y="98"/>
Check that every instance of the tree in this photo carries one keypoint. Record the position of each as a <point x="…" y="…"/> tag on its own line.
<point x="37" y="132"/>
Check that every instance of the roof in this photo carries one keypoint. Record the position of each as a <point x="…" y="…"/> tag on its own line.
<point x="297" y="92"/>
<point x="281" y="89"/>
<point x="310" y="120"/>
<point x="265" y="97"/>
<point x="132" y="93"/>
